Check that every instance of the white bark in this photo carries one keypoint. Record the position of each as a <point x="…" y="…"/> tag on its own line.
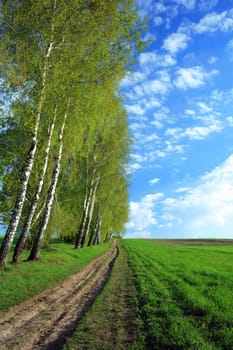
<point x="98" y="236"/>
<point x="28" y="222"/>
<point x="35" y="253"/>
<point x="94" y="232"/>
<point x="90" y="215"/>
<point x="17" y="211"/>
<point x="87" y="202"/>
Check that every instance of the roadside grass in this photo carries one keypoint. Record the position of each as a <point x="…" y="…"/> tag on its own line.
<point x="185" y="293"/>
<point x="22" y="281"/>
<point x="113" y="321"/>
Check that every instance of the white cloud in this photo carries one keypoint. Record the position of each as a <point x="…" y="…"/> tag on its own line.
<point x="189" y="4"/>
<point x="138" y="158"/>
<point x="205" y="5"/>
<point x="144" y="7"/>
<point x="159" y="7"/>
<point x="135" y="109"/>
<point x="142" y="213"/>
<point x="133" y="167"/>
<point x="193" y="77"/>
<point x="167" y="61"/>
<point x="136" y="126"/>
<point x="212" y="60"/>
<point x="150" y="138"/>
<point x="175" y="133"/>
<point x="157" y="124"/>
<point x="154" y="181"/>
<point x="151" y="102"/>
<point x="230" y="120"/>
<point x="138" y="234"/>
<point x="152" y="87"/>
<point x="217" y="95"/>
<point x="204" y="107"/>
<point x="183" y="189"/>
<point x="147" y="57"/>
<point x="151" y="59"/>
<point x="190" y="112"/>
<point x="195" y="132"/>
<point x="213" y="22"/>
<point x="176" y="42"/>
<point x="163" y="150"/>
<point x="158" y="21"/>
<point x="207" y="209"/>
<point x="201" y="132"/>
<point x="223" y="97"/>
<point x="132" y="79"/>
<point x="230" y="49"/>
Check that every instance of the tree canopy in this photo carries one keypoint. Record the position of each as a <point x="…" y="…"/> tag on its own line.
<point x="64" y="133"/>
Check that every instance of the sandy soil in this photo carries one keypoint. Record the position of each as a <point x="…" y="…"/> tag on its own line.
<point x="45" y="321"/>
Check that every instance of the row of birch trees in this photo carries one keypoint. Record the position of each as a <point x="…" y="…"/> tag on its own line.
<point x="63" y="129"/>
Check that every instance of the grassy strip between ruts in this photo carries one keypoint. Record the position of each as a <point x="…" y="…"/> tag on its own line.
<point x="185" y="294"/>
<point x="23" y="281"/>
<point x="113" y="320"/>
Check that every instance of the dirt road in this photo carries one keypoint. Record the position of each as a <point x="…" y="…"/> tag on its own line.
<point x="45" y="321"/>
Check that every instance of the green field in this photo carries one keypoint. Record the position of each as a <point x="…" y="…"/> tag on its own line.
<point x="160" y="295"/>
<point x="185" y="293"/>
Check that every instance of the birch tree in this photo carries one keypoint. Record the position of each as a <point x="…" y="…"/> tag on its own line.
<point x="18" y="207"/>
<point x="28" y="222"/>
<point x="52" y="50"/>
<point x="37" y="243"/>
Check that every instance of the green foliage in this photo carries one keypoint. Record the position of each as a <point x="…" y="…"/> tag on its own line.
<point x="185" y="294"/>
<point x="54" y="52"/>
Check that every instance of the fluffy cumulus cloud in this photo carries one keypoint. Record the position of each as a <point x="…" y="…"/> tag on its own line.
<point x="214" y="22"/>
<point x="195" y="132"/>
<point x="176" y="42"/>
<point x="207" y="209"/>
<point x="150" y="60"/>
<point x="135" y="109"/>
<point x="193" y="77"/>
<point x="142" y="213"/>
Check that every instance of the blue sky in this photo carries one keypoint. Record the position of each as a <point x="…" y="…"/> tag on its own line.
<point x="180" y="110"/>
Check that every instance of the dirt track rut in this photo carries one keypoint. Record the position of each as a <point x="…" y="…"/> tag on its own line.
<point x="45" y="321"/>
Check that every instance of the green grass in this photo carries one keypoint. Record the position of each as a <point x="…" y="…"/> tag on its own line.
<point x="22" y="281"/>
<point x="185" y="293"/>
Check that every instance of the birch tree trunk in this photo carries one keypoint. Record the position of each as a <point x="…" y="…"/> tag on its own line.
<point x="35" y="252"/>
<point x="87" y="202"/>
<point x="98" y="234"/>
<point x="28" y="223"/>
<point x="90" y="213"/>
<point x="18" y="208"/>
<point x="108" y="237"/>
<point x="94" y="232"/>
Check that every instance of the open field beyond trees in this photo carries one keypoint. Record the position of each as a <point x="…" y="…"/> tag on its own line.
<point x="185" y="293"/>
<point x="159" y="295"/>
